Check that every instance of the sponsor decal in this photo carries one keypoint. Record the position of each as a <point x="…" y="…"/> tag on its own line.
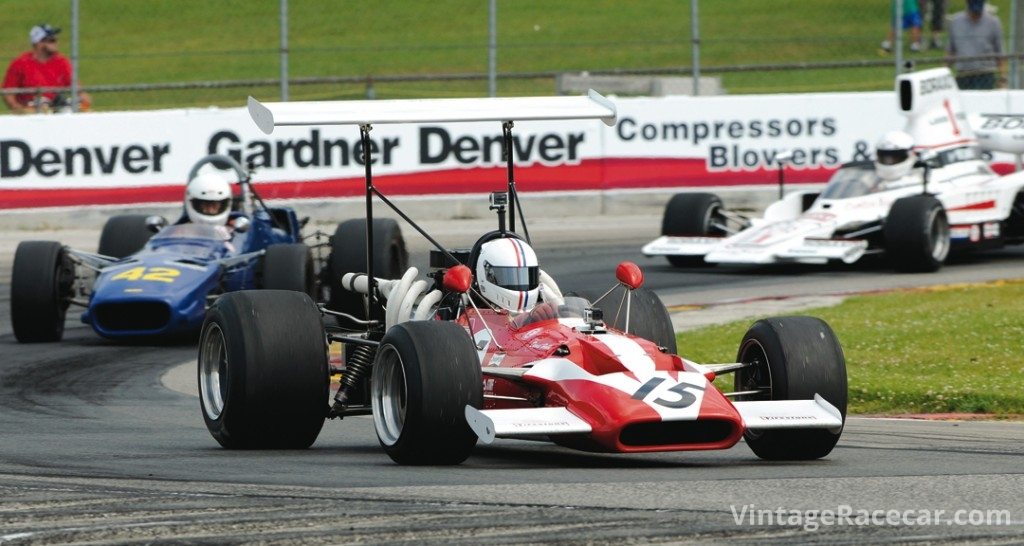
<point x="959" y="232"/>
<point x="990" y="230"/>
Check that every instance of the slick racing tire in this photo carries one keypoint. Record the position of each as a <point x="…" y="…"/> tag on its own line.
<point x="41" y="289"/>
<point x="692" y="214"/>
<point x="348" y="255"/>
<point x="917" y="234"/>
<point x="124" y="235"/>
<point x="793" y="358"/>
<point x="648" y="317"/>
<point x="289" y="267"/>
<point x="424" y="375"/>
<point x="263" y="371"/>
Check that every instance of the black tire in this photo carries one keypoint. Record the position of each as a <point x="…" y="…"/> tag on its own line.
<point x="289" y="267"/>
<point x="692" y="214"/>
<point x="796" y="358"/>
<point x="648" y="317"/>
<point x="917" y="234"/>
<point x="124" y="235"/>
<point x="263" y="371"/>
<point x="41" y="286"/>
<point x="348" y="255"/>
<point x="424" y="375"/>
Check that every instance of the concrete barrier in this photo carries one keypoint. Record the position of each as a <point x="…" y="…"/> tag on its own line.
<point x="443" y="207"/>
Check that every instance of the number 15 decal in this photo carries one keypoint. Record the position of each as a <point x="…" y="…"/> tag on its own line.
<point x="160" y="274"/>
<point x="686" y="398"/>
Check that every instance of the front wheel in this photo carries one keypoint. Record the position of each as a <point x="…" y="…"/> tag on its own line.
<point x="692" y="214"/>
<point x="42" y="279"/>
<point x="917" y="234"/>
<point x="424" y="375"/>
<point x="263" y="373"/>
<point x="792" y="358"/>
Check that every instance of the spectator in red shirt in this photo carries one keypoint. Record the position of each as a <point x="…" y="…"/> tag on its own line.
<point x="44" y="66"/>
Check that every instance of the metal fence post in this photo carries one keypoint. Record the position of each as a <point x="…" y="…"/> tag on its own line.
<point x="74" y="55"/>
<point x="897" y="41"/>
<point x="1016" y="37"/>
<point x="695" y="40"/>
<point x="492" y="49"/>
<point x="284" y="50"/>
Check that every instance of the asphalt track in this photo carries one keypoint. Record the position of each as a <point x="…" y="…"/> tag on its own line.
<point x="93" y="448"/>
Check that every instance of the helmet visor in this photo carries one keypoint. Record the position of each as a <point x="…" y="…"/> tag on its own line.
<point x="210" y="208"/>
<point x="892" y="157"/>
<point x="513" y="278"/>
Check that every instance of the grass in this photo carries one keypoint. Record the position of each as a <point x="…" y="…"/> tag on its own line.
<point x="952" y="349"/>
<point x="133" y="41"/>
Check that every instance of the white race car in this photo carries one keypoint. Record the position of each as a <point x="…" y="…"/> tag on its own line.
<point x="951" y="201"/>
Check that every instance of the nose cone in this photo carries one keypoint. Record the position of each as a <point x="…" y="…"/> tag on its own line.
<point x="150" y="297"/>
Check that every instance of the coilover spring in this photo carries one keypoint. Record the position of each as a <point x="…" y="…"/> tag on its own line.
<point x="357" y="365"/>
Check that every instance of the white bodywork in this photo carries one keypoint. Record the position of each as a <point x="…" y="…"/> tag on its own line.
<point x="975" y="198"/>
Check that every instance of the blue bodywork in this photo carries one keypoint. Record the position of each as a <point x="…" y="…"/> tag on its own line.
<point x="164" y="288"/>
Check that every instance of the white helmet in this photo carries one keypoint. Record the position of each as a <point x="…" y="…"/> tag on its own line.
<point x="893" y="155"/>
<point x="508" y="274"/>
<point x="208" y="200"/>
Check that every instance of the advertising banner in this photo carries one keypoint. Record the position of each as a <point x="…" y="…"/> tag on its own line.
<point x="144" y="157"/>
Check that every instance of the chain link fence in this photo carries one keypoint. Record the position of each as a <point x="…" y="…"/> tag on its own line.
<point x="189" y="53"/>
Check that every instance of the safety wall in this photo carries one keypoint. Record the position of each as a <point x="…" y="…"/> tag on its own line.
<point x="144" y="157"/>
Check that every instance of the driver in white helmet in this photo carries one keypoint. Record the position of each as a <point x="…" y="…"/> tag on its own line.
<point x="508" y="275"/>
<point x="894" y="156"/>
<point x="208" y="200"/>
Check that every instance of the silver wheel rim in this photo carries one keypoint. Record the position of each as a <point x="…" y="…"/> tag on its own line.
<point x="940" y="236"/>
<point x="213" y="361"/>
<point x="389" y="395"/>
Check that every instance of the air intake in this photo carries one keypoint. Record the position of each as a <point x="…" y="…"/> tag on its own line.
<point x="135" y="316"/>
<point x="708" y="431"/>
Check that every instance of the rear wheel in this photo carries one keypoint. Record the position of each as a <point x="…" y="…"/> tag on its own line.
<point x="348" y="255"/>
<point x="124" y="235"/>
<point x="263" y="372"/>
<point x="289" y="267"/>
<point x="917" y="234"/>
<point x="424" y="375"/>
<point x="692" y="214"/>
<point x="793" y="358"/>
<point x="41" y="287"/>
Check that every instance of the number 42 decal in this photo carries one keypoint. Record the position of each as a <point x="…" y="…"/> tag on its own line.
<point x="685" y="397"/>
<point x="159" y="274"/>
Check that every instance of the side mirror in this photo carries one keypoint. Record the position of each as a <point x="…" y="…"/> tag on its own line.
<point x="630" y="275"/>
<point x="155" y="223"/>
<point x="457" y="279"/>
<point x="242" y="224"/>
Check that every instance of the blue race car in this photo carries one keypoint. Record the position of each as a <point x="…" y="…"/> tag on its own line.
<point x="150" y="279"/>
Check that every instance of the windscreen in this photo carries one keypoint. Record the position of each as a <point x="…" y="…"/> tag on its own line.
<point x="852" y="181"/>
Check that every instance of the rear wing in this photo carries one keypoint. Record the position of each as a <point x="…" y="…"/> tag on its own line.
<point x="935" y="117"/>
<point x="368" y="112"/>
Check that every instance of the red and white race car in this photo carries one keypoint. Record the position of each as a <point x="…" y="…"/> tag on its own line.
<point x="951" y="200"/>
<point x="488" y="347"/>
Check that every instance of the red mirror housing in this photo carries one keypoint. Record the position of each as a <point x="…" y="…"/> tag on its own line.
<point x="630" y="275"/>
<point x="458" y="279"/>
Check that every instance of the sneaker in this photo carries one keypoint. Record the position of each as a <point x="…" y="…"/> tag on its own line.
<point x="936" y="43"/>
<point x="886" y="46"/>
<point x="916" y="46"/>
